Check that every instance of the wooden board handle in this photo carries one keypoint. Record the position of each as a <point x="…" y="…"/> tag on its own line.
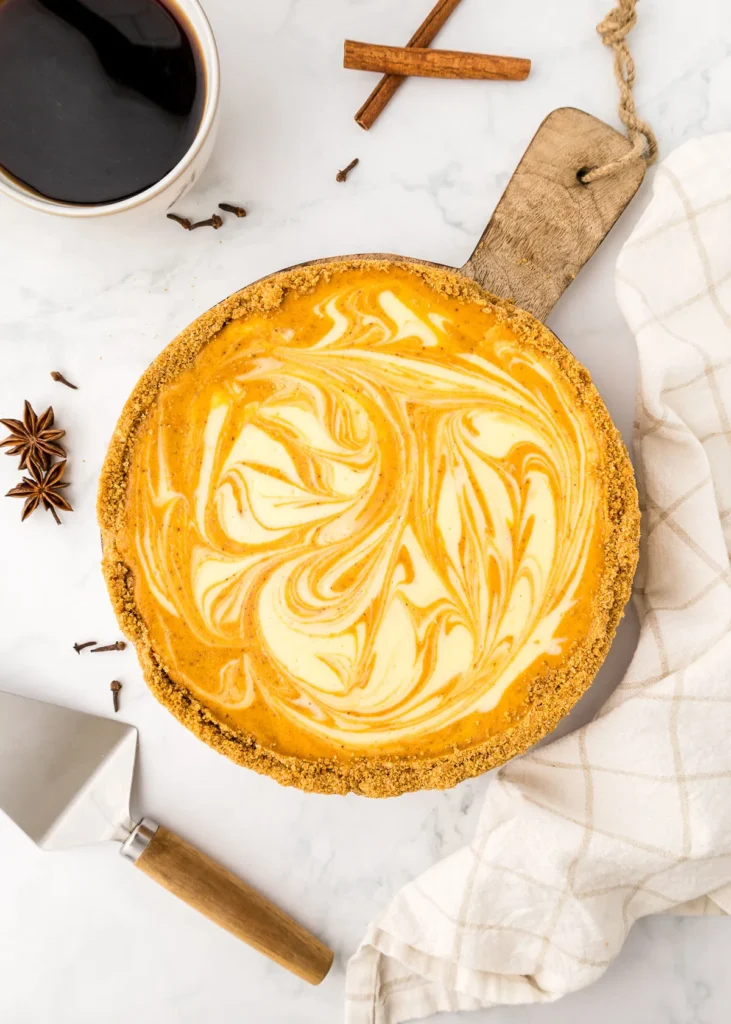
<point x="225" y="899"/>
<point x="547" y="223"/>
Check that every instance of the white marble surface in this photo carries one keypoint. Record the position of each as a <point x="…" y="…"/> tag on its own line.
<point x="83" y="938"/>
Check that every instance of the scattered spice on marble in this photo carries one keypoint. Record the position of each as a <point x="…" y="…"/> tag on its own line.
<point x="118" y="645"/>
<point x="43" y="488"/>
<point x="214" y="221"/>
<point x="237" y="211"/>
<point x="387" y="86"/>
<point x="115" y="686"/>
<point x="80" y="647"/>
<point x="183" y="221"/>
<point x="343" y="175"/>
<point x="34" y="439"/>
<point x="59" y="377"/>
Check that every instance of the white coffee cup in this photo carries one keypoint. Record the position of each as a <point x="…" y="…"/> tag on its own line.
<point x="176" y="182"/>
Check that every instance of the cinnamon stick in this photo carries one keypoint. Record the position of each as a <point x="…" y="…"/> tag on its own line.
<point x="425" y="63"/>
<point x="424" y="36"/>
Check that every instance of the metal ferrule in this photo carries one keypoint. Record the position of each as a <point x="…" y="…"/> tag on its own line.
<point x="139" y="839"/>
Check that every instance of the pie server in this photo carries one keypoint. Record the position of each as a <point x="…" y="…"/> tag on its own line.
<point x="65" y="780"/>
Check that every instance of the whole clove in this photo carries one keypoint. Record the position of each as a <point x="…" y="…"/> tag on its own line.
<point x="214" y="221"/>
<point x="118" y="645"/>
<point x="183" y="221"/>
<point x="115" y="686"/>
<point x="342" y="175"/>
<point x="238" y="211"/>
<point x="62" y="380"/>
<point x="80" y="647"/>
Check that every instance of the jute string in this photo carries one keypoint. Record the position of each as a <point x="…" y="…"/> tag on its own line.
<point x="614" y="31"/>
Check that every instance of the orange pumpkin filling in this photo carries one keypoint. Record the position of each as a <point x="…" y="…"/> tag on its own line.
<point x="365" y="522"/>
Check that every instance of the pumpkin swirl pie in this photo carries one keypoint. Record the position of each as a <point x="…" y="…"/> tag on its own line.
<point x="369" y="527"/>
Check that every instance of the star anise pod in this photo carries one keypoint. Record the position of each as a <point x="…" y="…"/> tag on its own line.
<point x="43" y="488"/>
<point x="34" y="439"/>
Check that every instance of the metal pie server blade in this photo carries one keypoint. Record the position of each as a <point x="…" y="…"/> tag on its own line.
<point x="65" y="779"/>
<point x="65" y="776"/>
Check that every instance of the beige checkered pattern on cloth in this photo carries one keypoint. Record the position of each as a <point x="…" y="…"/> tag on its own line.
<point x="630" y="815"/>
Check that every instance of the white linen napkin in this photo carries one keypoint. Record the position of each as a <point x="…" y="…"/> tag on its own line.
<point x="630" y="815"/>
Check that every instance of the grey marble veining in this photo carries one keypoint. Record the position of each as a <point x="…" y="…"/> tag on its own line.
<point x="83" y="938"/>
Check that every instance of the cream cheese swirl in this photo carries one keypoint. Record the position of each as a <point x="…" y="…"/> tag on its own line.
<point x="370" y="519"/>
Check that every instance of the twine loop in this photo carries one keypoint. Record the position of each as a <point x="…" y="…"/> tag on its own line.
<point x="614" y="30"/>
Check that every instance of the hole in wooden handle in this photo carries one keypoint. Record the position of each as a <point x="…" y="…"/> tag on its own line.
<point x="582" y="171"/>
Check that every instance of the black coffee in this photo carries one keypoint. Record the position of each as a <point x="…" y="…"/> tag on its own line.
<point x="99" y="99"/>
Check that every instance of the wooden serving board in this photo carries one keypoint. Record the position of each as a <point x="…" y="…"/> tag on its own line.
<point x="544" y="229"/>
<point x="548" y="223"/>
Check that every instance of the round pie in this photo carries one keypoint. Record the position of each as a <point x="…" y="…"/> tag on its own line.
<point x="369" y="528"/>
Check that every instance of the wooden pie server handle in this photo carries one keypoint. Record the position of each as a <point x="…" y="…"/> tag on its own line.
<point x="547" y="223"/>
<point x="224" y="899"/>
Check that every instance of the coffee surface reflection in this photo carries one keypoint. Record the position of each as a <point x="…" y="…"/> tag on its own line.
<point x="99" y="99"/>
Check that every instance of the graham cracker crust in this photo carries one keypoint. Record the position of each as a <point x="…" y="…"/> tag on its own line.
<point x="551" y="695"/>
